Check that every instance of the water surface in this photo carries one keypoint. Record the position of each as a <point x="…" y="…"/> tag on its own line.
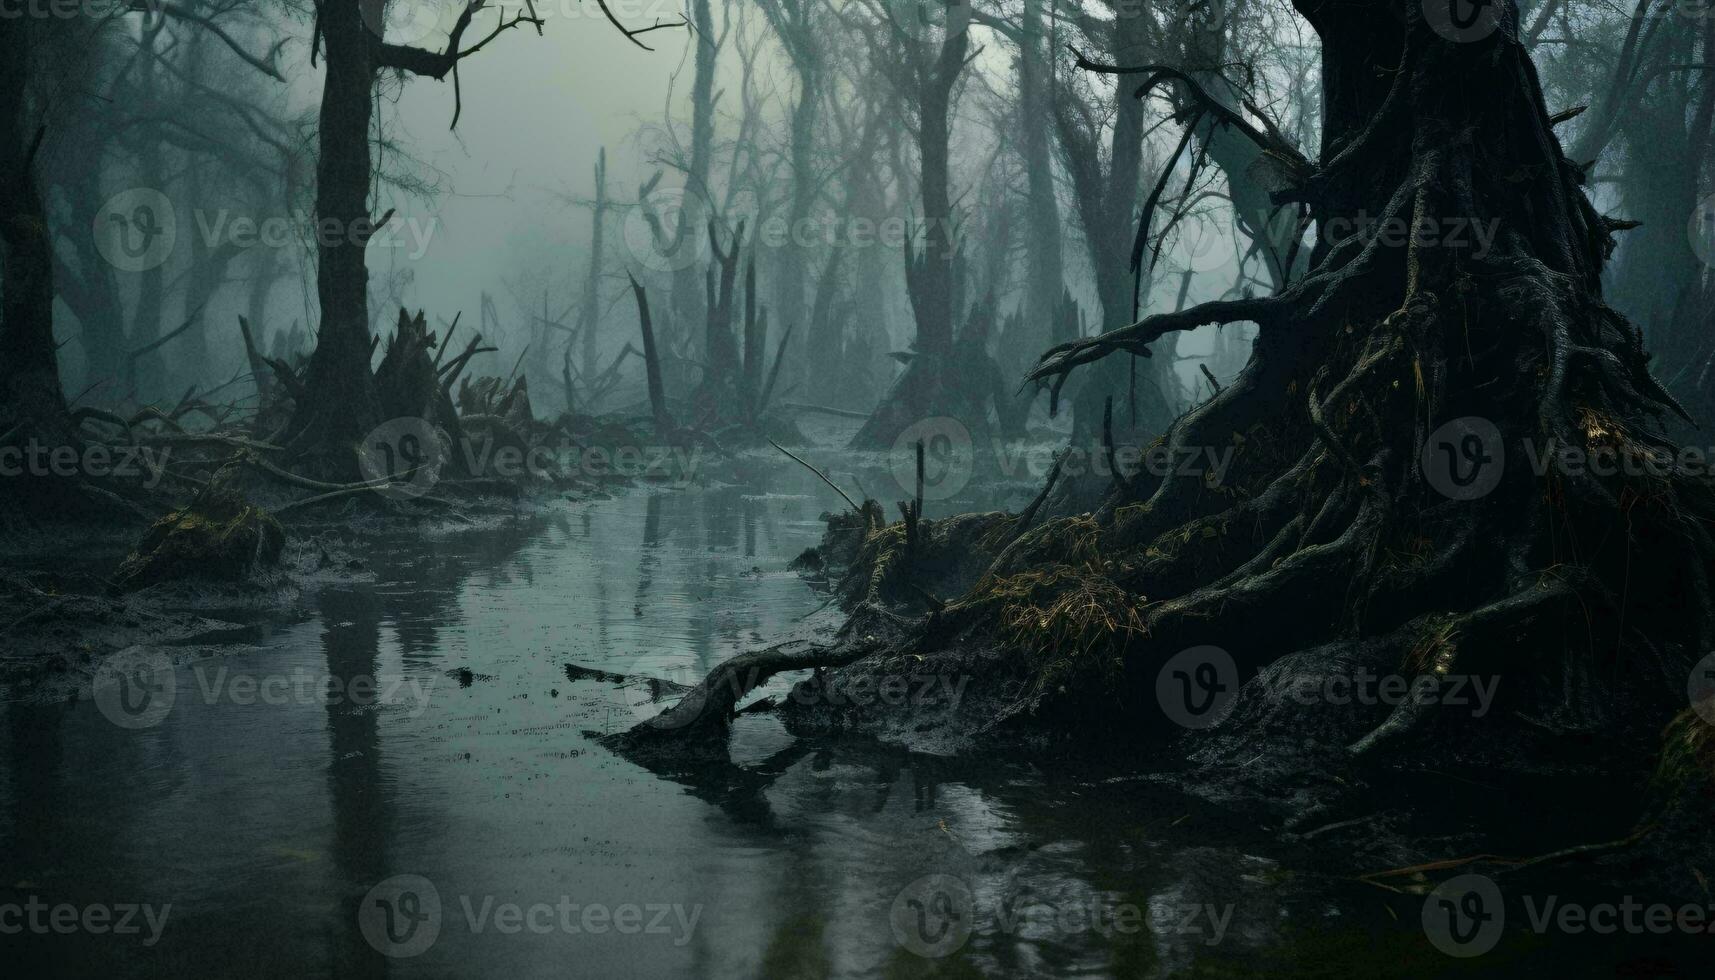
<point x="284" y="831"/>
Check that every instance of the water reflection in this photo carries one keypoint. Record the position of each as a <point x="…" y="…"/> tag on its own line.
<point x="362" y="794"/>
<point x="266" y="825"/>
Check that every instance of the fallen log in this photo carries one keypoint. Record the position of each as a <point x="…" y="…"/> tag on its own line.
<point x="700" y="718"/>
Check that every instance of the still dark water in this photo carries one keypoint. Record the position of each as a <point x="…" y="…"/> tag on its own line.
<point x="462" y="822"/>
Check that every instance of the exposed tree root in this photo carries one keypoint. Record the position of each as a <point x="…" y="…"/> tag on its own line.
<point x="1588" y="591"/>
<point x="705" y="711"/>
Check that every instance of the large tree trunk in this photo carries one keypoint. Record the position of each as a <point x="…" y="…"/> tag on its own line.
<point x="592" y="279"/>
<point x="934" y="384"/>
<point x="1658" y="279"/>
<point x="89" y="288"/>
<point x="144" y="376"/>
<point x="146" y="373"/>
<point x="342" y="406"/>
<point x="842" y="374"/>
<point x="1108" y="203"/>
<point x="794" y="258"/>
<point x="932" y="296"/>
<point x="30" y="393"/>
<point x="1241" y="161"/>
<point x="32" y="403"/>
<point x="1588" y="589"/>
<point x="1046" y="264"/>
<point x="687" y="297"/>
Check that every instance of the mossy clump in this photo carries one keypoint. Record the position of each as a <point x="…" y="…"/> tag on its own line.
<point x="1683" y="786"/>
<point x="1073" y="623"/>
<point x="219" y="536"/>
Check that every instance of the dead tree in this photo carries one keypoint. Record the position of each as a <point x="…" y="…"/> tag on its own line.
<point x="932" y="383"/>
<point x="802" y="27"/>
<point x="737" y="379"/>
<point x="1034" y="125"/>
<point x="591" y="312"/>
<point x="687" y="306"/>
<point x="1105" y="182"/>
<point x="31" y="399"/>
<point x="720" y="350"/>
<point x="1660" y="106"/>
<point x="1587" y="587"/>
<point x="652" y="364"/>
<point x="1591" y="590"/>
<point x="343" y="403"/>
<point x="864" y="117"/>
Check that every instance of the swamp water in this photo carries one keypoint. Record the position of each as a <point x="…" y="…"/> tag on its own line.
<point x="460" y="821"/>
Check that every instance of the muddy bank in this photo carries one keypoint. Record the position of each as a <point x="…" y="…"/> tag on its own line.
<point x="1398" y="777"/>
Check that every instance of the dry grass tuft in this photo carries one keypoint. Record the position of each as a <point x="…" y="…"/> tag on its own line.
<point x="1072" y="622"/>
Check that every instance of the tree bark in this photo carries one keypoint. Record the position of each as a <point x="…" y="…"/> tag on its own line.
<point x="1359" y="367"/>
<point x="1036" y="113"/>
<point x="342" y="405"/>
<point x="591" y="313"/>
<point x="687" y="298"/>
<point x="30" y="392"/>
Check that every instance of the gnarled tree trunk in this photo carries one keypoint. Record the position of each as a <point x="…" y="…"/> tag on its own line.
<point x="1590" y="590"/>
